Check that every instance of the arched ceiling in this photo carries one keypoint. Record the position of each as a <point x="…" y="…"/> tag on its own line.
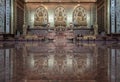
<point x="60" y="0"/>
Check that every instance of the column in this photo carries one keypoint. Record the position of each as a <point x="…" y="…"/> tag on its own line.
<point x="7" y="65"/>
<point x="8" y="12"/>
<point x="112" y="16"/>
<point x="108" y="16"/>
<point x="12" y="16"/>
<point x="2" y="15"/>
<point x="113" y="66"/>
<point x="117" y="16"/>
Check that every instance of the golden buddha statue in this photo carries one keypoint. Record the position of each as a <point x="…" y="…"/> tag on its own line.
<point x="60" y="20"/>
<point x="81" y="21"/>
<point x="60" y="17"/>
<point x="80" y="17"/>
<point x="39" y="21"/>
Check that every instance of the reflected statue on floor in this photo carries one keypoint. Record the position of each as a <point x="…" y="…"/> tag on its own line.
<point x="39" y="21"/>
<point x="60" y="20"/>
<point x="81" y="21"/>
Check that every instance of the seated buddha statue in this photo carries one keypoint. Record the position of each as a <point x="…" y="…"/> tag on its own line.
<point x="80" y="17"/>
<point x="81" y="21"/>
<point x="60" y="20"/>
<point x="39" y="21"/>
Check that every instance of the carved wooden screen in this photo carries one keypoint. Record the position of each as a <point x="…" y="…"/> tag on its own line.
<point x="59" y="10"/>
<point x="20" y="19"/>
<point x="76" y="11"/>
<point x="44" y="12"/>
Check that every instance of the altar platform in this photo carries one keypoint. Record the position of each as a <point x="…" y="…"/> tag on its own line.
<point x="74" y="34"/>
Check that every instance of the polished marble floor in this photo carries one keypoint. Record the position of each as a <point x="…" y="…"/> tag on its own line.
<point x="60" y="61"/>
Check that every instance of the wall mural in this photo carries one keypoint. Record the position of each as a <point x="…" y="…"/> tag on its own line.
<point x="60" y="16"/>
<point x="80" y="16"/>
<point x="2" y="9"/>
<point x="41" y="16"/>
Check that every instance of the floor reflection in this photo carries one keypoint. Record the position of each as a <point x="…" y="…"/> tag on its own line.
<point x="59" y="62"/>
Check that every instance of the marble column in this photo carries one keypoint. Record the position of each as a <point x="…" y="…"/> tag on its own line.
<point x="5" y="11"/>
<point x="8" y="12"/>
<point x="112" y="16"/>
<point x="113" y="66"/>
<point x="117" y="16"/>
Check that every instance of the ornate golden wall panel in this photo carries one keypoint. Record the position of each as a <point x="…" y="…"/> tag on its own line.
<point x="80" y="16"/>
<point x="60" y="16"/>
<point x="40" y="16"/>
<point x="69" y="7"/>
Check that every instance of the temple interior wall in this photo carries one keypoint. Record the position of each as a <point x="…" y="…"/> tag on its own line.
<point x="69" y="9"/>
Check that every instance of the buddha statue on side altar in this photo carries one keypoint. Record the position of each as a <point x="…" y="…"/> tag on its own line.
<point x="80" y="17"/>
<point x="60" y="20"/>
<point x="39" y="20"/>
<point x="81" y="21"/>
